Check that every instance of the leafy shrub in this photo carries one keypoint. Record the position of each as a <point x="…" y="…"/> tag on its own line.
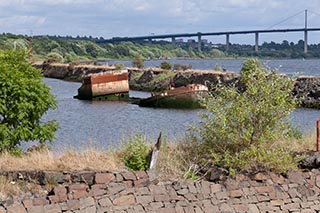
<point x="242" y="126"/>
<point x="24" y="100"/>
<point x="165" y="65"/>
<point x="138" y="62"/>
<point x="120" y="66"/>
<point x="135" y="153"/>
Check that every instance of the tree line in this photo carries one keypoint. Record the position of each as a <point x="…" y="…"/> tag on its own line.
<point x="67" y="49"/>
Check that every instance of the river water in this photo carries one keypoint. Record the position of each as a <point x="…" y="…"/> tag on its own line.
<point x="103" y="125"/>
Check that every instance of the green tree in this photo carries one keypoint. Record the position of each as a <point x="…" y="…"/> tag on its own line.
<point x="24" y="99"/>
<point x="138" y="62"/>
<point x="243" y="125"/>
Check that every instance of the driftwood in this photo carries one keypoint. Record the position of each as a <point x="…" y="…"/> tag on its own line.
<point x="153" y="157"/>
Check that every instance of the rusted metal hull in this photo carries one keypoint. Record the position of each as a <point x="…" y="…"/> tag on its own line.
<point x="181" y="97"/>
<point x="104" y="84"/>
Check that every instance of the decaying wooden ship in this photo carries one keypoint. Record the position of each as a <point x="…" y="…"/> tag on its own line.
<point x="111" y="85"/>
<point x="177" y="97"/>
<point x="114" y="85"/>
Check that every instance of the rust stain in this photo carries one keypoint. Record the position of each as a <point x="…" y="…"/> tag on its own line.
<point x="104" y="83"/>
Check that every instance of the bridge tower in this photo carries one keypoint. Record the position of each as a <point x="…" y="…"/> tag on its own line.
<point x="256" y="48"/>
<point x="306" y="31"/>
<point x="199" y="41"/>
<point x="227" y="41"/>
<point x="173" y="40"/>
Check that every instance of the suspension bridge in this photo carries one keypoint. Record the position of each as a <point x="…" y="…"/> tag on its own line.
<point x="227" y="34"/>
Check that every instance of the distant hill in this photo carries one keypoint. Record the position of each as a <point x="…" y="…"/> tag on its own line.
<point x="67" y="49"/>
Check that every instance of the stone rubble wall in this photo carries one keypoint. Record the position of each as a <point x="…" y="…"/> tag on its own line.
<point x="125" y="191"/>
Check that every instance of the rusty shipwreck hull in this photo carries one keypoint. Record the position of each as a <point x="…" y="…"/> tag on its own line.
<point x="177" y="97"/>
<point x="110" y="84"/>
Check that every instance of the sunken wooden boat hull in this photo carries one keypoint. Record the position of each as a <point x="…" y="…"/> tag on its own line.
<point x="112" y="85"/>
<point x="181" y="97"/>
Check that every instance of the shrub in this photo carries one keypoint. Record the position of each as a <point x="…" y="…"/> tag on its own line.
<point x="24" y="99"/>
<point x="120" y="66"/>
<point x="182" y="67"/>
<point x="165" y="65"/>
<point x="217" y="67"/>
<point x="54" y="57"/>
<point x="138" y="62"/>
<point x="135" y="153"/>
<point x="242" y="126"/>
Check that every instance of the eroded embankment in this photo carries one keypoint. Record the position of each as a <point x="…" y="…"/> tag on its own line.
<point x="124" y="191"/>
<point x="307" y="88"/>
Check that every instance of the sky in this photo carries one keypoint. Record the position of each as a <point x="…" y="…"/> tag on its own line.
<point x="125" y="18"/>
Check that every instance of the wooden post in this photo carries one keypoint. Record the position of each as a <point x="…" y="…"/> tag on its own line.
<point x="318" y="135"/>
<point x="153" y="157"/>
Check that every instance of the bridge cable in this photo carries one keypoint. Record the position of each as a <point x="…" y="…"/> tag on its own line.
<point x="314" y="12"/>
<point x="286" y="19"/>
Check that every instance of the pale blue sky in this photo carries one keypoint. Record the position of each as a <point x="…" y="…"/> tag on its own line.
<point x="117" y="18"/>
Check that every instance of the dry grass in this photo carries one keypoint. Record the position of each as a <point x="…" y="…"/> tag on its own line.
<point x="305" y="144"/>
<point x="175" y="159"/>
<point x="70" y="160"/>
<point x="179" y="160"/>
<point x="7" y="188"/>
<point x="46" y="160"/>
<point x="10" y="189"/>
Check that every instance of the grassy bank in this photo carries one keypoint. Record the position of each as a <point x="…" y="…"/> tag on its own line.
<point x="174" y="159"/>
<point x="177" y="160"/>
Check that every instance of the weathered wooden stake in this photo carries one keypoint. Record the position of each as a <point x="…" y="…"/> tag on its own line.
<point x="318" y="135"/>
<point x="153" y="157"/>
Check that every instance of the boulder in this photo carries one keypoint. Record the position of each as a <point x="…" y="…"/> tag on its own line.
<point x="311" y="162"/>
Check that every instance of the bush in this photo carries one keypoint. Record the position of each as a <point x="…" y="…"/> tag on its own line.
<point x="138" y="62"/>
<point x="217" y="67"/>
<point x="54" y="57"/>
<point x="120" y="66"/>
<point x="135" y="153"/>
<point x="24" y="99"/>
<point x="165" y="65"/>
<point x="182" y="67"/>
<point x="242" y="126"/>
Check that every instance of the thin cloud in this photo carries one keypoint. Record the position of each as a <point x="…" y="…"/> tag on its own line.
<point x="112" y="18"/>
<point x="22" y="20"/>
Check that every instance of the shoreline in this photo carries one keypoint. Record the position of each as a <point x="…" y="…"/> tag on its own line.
<point x="306" y="89"/>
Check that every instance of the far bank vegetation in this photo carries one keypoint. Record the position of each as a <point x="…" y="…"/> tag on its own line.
<point x="68" y="49"/>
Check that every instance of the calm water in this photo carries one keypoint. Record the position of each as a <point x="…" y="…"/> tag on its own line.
<point x="301" y="67"/>
<point x="102" y="125"/>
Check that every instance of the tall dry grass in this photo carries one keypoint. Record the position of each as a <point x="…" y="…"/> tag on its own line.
<point x="182" y="159"/>
<point x="69" y="160"/>
<point x="175" y="159"/>
<point x="300" y="145"/>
